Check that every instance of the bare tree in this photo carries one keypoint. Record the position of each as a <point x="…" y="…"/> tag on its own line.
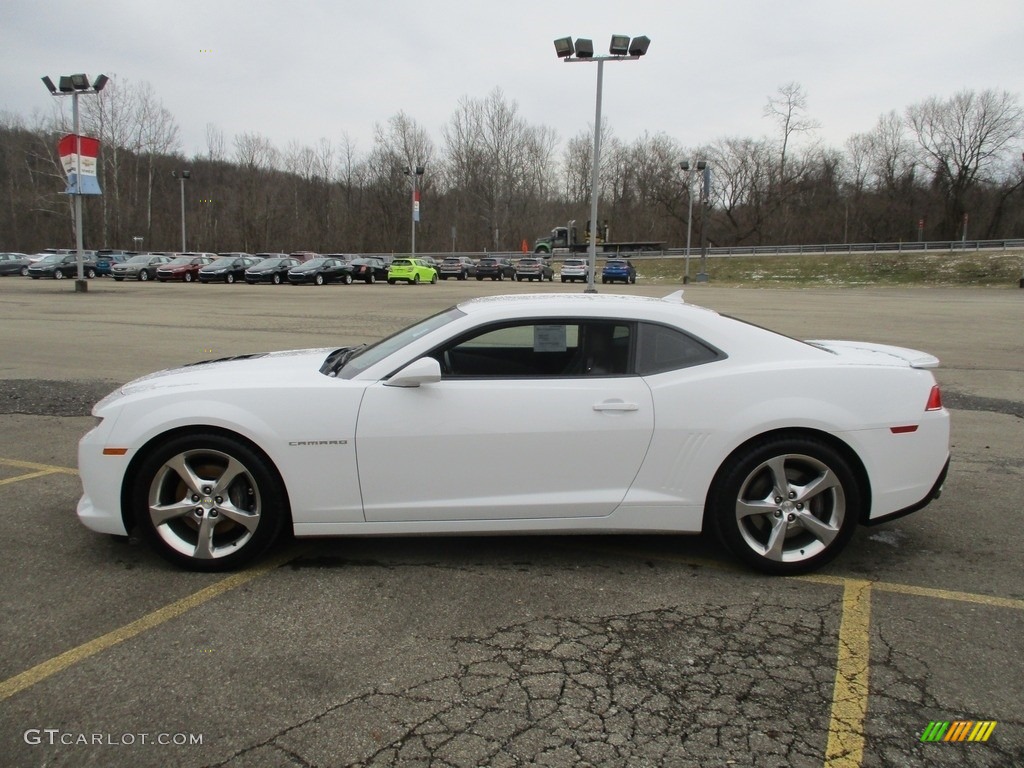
<point x="787" y="110"/>
<point x="962" y="139"/>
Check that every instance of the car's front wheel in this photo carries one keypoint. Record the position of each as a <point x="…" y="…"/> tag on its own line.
<point x="230" y="278"/>
<point x="24" y="271"/>
<point x="347" y="279"/>
<point x="276" y="279"/>
<point x="319" y="280"/>
<point x="208" y="502"/>
<point x="785" y="505"/>
<point x="188" y="277"/>
<point x="143" y="275"/>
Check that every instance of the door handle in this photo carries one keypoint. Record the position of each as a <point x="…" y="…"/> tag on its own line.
<point x="616" y="405"/>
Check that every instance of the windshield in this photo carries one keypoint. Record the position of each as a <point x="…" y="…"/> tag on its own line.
<point x="374" y="353"/>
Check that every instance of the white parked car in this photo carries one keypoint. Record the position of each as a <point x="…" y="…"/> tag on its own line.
<point x="675" y="419"/>
<point x="573" y="270"/>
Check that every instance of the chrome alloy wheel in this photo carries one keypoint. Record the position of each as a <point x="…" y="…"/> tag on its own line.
<point x="790" y="508"/>
<point x="204" y="504"/>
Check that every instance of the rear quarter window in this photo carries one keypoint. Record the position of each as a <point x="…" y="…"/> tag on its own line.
<point x="661" y="348"/>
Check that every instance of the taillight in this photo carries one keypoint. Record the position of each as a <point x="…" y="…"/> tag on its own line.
<point x="934" y="400"/>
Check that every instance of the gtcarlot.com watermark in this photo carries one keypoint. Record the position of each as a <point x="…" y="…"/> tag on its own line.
<point x="56" y="737"/>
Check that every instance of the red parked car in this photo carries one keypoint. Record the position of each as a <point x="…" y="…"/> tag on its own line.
<point x="185" y="268"/>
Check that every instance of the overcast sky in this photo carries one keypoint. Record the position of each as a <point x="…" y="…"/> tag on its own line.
<point x="307" y="69"/>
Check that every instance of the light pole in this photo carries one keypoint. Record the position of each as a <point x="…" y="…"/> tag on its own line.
<point x="685" y="166"/>
<point x="72" y="85"/>
<point x="415" y="173"/>
<point x="705" y="198"/>
<point x="186" y="174"/>
<point x="621" y="48"/>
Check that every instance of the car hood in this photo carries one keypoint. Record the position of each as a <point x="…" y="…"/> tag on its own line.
<point x="240" y="372"/>
<point x="868" y="353"/>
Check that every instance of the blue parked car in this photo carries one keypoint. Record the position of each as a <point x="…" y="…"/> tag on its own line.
<point x="106" y="261"/>
<point x="616" y="270"/>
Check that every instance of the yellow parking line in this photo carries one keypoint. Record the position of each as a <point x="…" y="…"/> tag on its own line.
<point x="59" y="663"/>
<point x="845" y="747"/>
<point x="29" y="476"/>
<point x="34" y="465"/>
<point x="946" y="594"/>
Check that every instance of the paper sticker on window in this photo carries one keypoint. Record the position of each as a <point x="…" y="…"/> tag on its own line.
<point x="549" y="338"/>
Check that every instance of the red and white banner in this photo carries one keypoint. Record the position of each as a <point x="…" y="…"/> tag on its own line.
<point x="87" y="183"/>
<point x="416" y="205"/>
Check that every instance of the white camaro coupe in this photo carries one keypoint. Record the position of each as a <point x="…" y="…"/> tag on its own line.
<point x="529" y="413"/>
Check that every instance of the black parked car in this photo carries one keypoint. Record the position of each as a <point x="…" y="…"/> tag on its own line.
<point x="494" y="268"/>
<point x="369" y="269"/>
<point x="227" y="269"/>
<point x="321" y="270"/>
<point x="273" y="269"/>
<point x="61" y="265"/>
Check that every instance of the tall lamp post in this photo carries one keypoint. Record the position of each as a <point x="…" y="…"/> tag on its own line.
<point x="414" y="172"/>
<point x="186" y="174"/>
<point x="705" y="199"/>
<point x="73" y="85"/>
<point x="685" y="166"/>
<point x="621" y="48"/>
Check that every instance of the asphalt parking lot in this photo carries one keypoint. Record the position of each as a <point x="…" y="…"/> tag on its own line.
<point x="558" y="651"/>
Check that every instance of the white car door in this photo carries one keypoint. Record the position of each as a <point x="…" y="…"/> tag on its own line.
<point x="494" y="447"/>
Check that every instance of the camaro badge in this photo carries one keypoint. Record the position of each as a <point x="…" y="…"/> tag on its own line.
<point x="318" y="442"/>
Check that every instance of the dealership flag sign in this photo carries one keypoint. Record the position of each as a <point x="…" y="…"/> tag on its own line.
<point x="88" y="184"/>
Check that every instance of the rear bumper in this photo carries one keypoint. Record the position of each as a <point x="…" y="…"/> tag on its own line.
<point x="934" y="493"/>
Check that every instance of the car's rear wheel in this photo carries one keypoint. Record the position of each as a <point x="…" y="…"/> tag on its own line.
<point x="208" y="502"/>
<point x="785" y="505"/>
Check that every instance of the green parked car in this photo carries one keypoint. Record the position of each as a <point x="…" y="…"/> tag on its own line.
<point x="411" y="271"/>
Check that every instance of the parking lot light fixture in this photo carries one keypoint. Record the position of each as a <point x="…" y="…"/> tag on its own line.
<point x="414" y="172"/>
<point x="584" y="51"/>
<point x="186" y="174"/>
<point x="73" y="85"/>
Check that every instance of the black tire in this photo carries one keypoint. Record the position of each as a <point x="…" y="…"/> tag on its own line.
<point x="809" y="494"/>
<point x="371" y="279"/>
<point x="90" y="273"/>
<point x="390" y="281"/>
<point x="188" y="277"/>
<point x="415" y="280"/>
<point x="24" y="271"/>
<point x="433" y="279"/>
<point x="276" y="279"/>
<point x="347" y="279"/>
<point x="230" y="278"/>
<point x="564" y="280"/>
<point x="244" y="517"/>
<point x="463" y="275"/>
<point x="58" y="274"/>
<point x="319" y="280"/>
<point x="143" y="276"/>
<point x="501" y="275"/>
<point x="479" y="277"/>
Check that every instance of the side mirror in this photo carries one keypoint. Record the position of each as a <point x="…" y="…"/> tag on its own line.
<point x="426" y="370"/>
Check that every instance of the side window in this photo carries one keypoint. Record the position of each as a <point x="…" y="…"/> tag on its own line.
<point x="663" y="349"/>
<point x="541" y="349"/>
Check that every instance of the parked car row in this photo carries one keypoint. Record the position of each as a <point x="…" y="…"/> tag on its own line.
<point x="303" y="267"/>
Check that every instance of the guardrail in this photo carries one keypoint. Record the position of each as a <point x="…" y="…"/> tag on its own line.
<point x="761" y="250"/>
